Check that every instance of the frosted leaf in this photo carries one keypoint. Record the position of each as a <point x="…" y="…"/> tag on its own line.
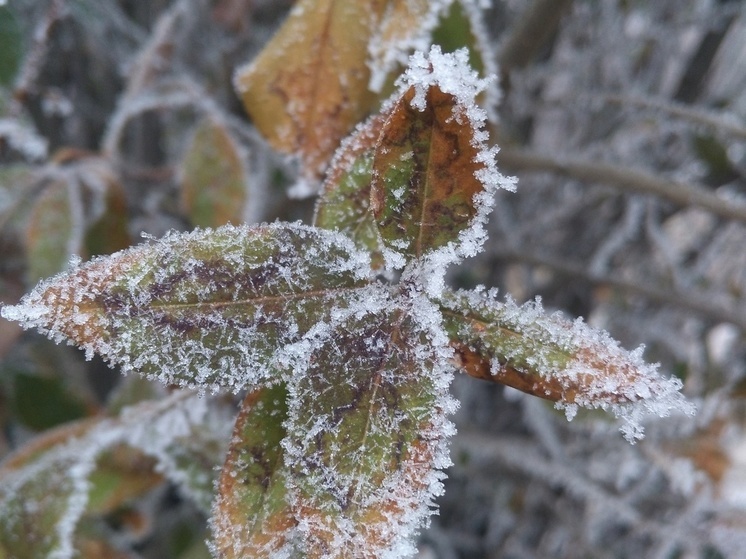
<point x="208" y="309"/>
<point x="366" y="432"/>
<point x="80" y="209"/>
<point x="344" y="201"/>
<point x="82" y="468"/>
<point x="187" y="435"/>
<point x="434" y="176"/>
<point x="43" y="495"/>
<point x="406" y="26"/>
<point x="309" y="86"/>
<point x="213" y="176"/>
<point x="551" y="357"/>
<point x="252" y="515"/>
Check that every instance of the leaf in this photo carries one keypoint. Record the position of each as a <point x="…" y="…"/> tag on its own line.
<point x="95" y="466"/>
<point x="41" y="402"/>
<point x="252" y="515"/>
<point x="309" y="86"/>
<point x="366" y="431"/>
<point x="106" y="211"/>
<point x="11" y="45"/>
<point x="553" y="358"/>
<point x="81" y="210"/>
<point x="211" y="308"/>
<point x="344" y="202"/>
<point x="405" y="26"/>
<point x="49" y="233"/>
<point x="43" y="494"/>
<point x="121" y="474"/>
<point x="213" y="184"/>
<point x="433" y="176"/>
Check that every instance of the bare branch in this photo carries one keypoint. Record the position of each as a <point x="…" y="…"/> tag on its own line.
<point x="701" y="304"/>
<point x="624" y="178"/>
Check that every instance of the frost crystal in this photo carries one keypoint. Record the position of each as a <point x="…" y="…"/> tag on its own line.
<point x="443" y="86"/>
<point x="367" y="428"/>
<point x="568" y="362"/>
<point x="207" y="309"/>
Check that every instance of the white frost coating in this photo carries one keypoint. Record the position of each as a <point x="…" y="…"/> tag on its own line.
<point x="69" y="465"/>
<point x="486" y="46"/>
<point x="170" y="312"/>
<point x="23" y="139"/>
<point x="587" y="363"/>
<point x="426" y="347"/>
<point x="450" y="72"/>
<point x="156" y="428"/>
<point x="386" y="53"/>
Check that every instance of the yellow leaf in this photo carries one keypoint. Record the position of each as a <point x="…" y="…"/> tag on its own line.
<point x="309" y="86"/>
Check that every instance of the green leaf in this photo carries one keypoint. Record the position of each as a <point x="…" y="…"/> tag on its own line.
<point x="213" y="309"/>
<point x="252" y="515"/>
<point x="551" y="357"/>
<point x="11" y="46"/>
<point x="81" y="210"/>
<point x="344" y="202"/>
<point x="49" y="233"/>
<point x="121" y="474"/>
<point x="41" y="402"/>
<point x="43" y="494"/>
<point x="365" y="432"/>
<point x="454" y="31"/>
<point x="213" y="185"/>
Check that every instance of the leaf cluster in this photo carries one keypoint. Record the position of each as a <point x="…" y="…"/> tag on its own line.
<point x="342" y="336"/>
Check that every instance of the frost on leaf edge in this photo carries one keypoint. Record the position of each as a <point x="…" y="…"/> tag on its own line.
<point x="451" y="73"/>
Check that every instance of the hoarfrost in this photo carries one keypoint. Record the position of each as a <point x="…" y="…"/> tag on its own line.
<point x="207" y="309"/>
<point x="57" y="481"/>
<point x="23" y="139"/>
<point x="451" y="73"/>
<point x="386" y="53"/>
<point x="376" y="379"/>
<point x="586" y="366"/>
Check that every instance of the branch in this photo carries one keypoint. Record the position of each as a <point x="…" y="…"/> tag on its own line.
<point x="624" y="178"/>
<point x="694" y="302"/>
<point x="722" y="122"/>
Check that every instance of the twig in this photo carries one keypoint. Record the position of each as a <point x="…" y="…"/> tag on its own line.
<point x="521" y="456"/>
<point x="722" y="122"/>
<point x="37" y="52"/>
<point x="631" y="180"/>
<point x="697" y="303"/>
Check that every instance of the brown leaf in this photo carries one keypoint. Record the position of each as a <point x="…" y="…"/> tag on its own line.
<point x="564" y="361"/>
<point x="402" y="24"/>
<point x="309" y="86"/>
<point x="424" y="184"/>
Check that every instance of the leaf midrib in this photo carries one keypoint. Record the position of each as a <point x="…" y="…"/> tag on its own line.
<point x="320" y="293"/>
<point x="426" y="189"/>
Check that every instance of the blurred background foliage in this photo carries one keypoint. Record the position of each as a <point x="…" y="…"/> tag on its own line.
<point x="623" y="120"/>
